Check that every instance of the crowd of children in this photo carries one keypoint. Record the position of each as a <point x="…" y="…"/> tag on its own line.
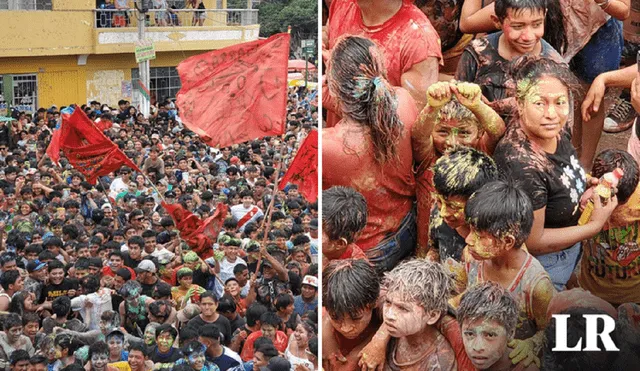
<point x="458" y="216"/>
<point x="97" y="277"/>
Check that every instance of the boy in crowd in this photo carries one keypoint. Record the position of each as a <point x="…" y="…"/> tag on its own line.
<point x="344" y="216"/>
<point x="500" y="219"/>
<point x="488" y="316"/>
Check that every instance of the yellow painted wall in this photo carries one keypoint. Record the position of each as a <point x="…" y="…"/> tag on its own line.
<point x="62" y="81"/>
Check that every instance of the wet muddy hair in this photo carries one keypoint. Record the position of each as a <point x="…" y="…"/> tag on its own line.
<point x="607" y="160"/>
<point x="489" y="301"/>
<point x="528" y="70"/>
<point x="462" y="171"/>
<point x="349" y="287"/>
<point x="501" y="208"/>
<point x="344" y="213"/>
<point x="357" y="78"/>
<point x="421" y="281"/>
<point x="454" y="110"/>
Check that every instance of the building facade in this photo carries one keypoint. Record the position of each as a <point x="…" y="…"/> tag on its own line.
<point x="58" y="52"/>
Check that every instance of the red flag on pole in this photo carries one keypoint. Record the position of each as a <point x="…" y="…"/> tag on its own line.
<point x="88" y="150"/>
<point x="303" y="171"/>
<point x="198" y="234"/>
<point x="237" y="93"/>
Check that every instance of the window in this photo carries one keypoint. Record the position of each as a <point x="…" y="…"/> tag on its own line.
<point x="25" y="4"/>
<point x="164" y="83"/>
<point x="25" y="93"/>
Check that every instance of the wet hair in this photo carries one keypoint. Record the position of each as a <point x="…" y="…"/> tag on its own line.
<point x="67" y="341"/>
<point x="18" y="355"/>
<point x="89" y="284"/>
<point x="9" y="278"/>
<point x="166" y="328"/>
<point x="226" y="304"/>
<point x="254" y="313"/>
<point x="209" y="331"/>
<point x="268" y="350"/>
<point x="99" y="347"/>
<point x="358" y="80"/>
<point x="462" y="171"/>
<point x="10" y="321"/>
<point x="193" y="347"/>
<point x="270" y="318"/>
<point x="454" y="110"/>
<point x="349" y="287"/>
<point x="344" y="213"/>
<point x="131" y="288"/>
<point x="30" y="317"/>
<point x="577" y="360"/>
<point x="138" y="348"/>
<point x="421" y="281"/>
<point x="501" y="208"/>
<point x="610" y="159"/>
<point x="283" y="301"/>
<point x="528" y="70"/>
<point x="61" y="306"/>
<point x="489" y="301"/>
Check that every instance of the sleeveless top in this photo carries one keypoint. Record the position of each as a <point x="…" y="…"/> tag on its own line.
<point x="522" y="286"/>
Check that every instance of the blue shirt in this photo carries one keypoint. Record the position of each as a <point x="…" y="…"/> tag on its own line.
<point x="301" y="307"/>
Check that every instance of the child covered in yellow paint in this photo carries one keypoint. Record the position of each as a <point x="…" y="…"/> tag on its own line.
<point x="500" y="217"/>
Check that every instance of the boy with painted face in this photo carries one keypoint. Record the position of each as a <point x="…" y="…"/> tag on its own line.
<point x="164" y="352"/>
<point x="456" y="176"/>
<point x="98" y="356"/>
<point x="488" y="315"/>
<point x="486" y="61"/>
<point x="349" y="317"/>
<point x="500" y="217"/>
<point x="416" y="300"/>
<point x="194" y="355"/>
<point x="115" y="341"/>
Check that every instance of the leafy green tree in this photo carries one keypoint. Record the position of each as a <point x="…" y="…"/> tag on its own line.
<point x="302" y="15"/>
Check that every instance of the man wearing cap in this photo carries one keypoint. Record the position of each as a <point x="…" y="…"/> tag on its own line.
<point x="37" y="276"/>
<point x="308" y="299"/>
<point x="147" y="276"/>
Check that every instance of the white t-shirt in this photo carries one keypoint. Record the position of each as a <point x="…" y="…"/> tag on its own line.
<point x="101" y="301"/>
<point x="226" y="272"/>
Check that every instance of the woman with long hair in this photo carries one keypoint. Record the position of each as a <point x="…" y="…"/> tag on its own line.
<point x="298" y="349"/>
<point x="371" y="150"/>
<point x="537" y="151"/>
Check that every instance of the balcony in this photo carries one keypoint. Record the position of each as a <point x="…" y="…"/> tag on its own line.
<point x="175" y="29"/>
<point x="73" y="27"/>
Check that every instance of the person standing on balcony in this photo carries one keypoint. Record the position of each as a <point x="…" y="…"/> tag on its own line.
<point x="121" y="19"/>
<point x="161" y="12"/>
<point x="199" y="15"/>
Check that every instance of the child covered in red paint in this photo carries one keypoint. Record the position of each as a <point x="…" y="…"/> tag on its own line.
<point x="500" y="217"/>
<point x="488" y="316"/>
<point x="344" y="216"/>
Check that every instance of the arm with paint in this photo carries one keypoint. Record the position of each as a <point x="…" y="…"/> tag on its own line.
<point x="493" y="126"/>
<point x="476" y="19"/>
<point x="526" y="350"/>
<point x="438" y="95"/>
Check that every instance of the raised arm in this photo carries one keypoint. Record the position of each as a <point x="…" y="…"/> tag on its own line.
<point x="476" y="19"/>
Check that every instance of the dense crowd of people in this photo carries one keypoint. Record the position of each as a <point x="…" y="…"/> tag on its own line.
<point x="463" y="202"/>
<point x="97" y="277"/>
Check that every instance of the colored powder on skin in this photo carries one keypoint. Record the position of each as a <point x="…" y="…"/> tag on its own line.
<point x="190" y="257"/>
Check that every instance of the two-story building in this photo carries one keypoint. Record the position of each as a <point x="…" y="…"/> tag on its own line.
<point x="58" y="52"/>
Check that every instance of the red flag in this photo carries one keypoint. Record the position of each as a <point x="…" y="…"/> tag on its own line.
<point x="303" y="171"/>
<point x="237" y="93"/>
<point x="88" y="150"/>
<point x="198" y="234"/>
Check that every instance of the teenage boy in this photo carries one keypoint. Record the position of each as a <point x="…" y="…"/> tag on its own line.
<point x="488" y="316"/>
<point x="500" y="218"/>
<point x="456" y="176"/>
<point x="269" y="323"/>
<point x="216" y="353"/>
<point x="344" y="216"/>
<point x="485" y="61"/>
<point x="246" y="212"/>
<point x="610" y="259"/>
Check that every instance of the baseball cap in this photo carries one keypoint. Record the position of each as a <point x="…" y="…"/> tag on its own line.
<point x="310" y="280"/>
<point x="147" y="266"/>
<point x="106" y="206"/>
<point x="35" y="265"/>
<point x="313" y="224"/>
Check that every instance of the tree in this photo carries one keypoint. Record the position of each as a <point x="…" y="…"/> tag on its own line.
<point x="302" y="15"/>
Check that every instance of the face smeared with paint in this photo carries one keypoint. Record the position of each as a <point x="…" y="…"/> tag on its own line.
<point x="165" y="341"/>
<point x="99" y="361"/>
<point x="523" y="29"/>
<point x="352" y="325"/>
<point x="452" y="210"/>
<point x="403" y="318"/>
<point x="485" y="341"/>
<point x="450" y="133"/>
<point x="483" y="245"/>
<point x="268" y="331"/>
<point x="196" y="360"/>
<point x="545" y="109"/>
<point x="115" y="345"/>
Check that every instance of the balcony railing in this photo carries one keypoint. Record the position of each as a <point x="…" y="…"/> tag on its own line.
<point x="117" y="18"/>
